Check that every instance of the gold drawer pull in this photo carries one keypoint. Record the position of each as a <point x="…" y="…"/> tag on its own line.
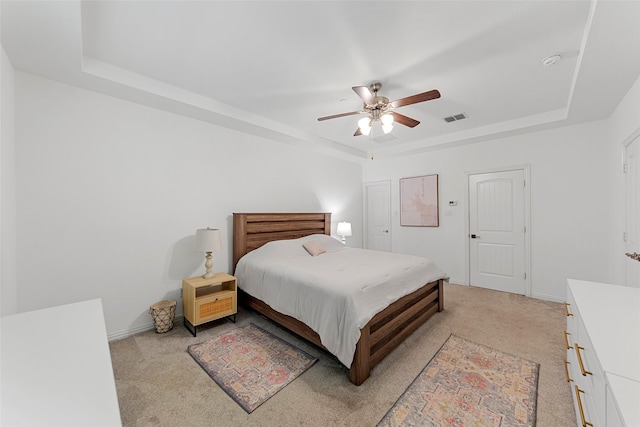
<point x="585" y="423"/>
<point x="566" y="370"/>
<point x="584" y="372"/>
<point x="566" y="339"/>
<point x="566" y="309"/>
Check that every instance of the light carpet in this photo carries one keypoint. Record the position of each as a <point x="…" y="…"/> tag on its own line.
<point x="250" y="364"/>
<point x="160" y="385"/>
<point x="468" y="384"/>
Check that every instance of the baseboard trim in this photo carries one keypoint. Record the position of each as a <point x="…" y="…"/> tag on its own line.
<point x="142" y="328"/>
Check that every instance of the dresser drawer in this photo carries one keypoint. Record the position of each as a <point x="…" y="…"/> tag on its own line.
<point x="583" y="402"/>
<point x="581" y="386"/>
<point x="571" y="330"/>
<point x="591" y="371"/>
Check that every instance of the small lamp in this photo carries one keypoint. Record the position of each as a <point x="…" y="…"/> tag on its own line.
<point x="344" y="230"/>
<point x="208" y="240"/>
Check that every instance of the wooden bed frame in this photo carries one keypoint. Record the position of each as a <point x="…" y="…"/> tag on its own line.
<point x="380" y="336"/>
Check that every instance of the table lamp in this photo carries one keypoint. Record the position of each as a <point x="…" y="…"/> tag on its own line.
<point x="344" y="230"/>
<point x="208" y="240"/>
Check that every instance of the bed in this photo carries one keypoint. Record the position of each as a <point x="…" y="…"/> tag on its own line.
<point x="383" y="331"/>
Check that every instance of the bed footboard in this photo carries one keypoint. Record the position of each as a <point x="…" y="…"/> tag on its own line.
<point x="380" y="336"/>
<point x="393" y="325"/>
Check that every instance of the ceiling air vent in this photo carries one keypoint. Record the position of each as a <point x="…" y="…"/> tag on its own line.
<point x="455" y="117"/>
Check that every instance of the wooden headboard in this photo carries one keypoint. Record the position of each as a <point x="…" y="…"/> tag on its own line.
<point x="252" y="230"/>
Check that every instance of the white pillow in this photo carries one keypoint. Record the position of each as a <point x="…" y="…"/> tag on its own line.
<point x="314" y="248"/>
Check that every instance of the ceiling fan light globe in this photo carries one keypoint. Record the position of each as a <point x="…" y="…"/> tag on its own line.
<point x="387" y="119"/>
<point x="364" y="124"/>
<point x="366" y="130"/>
<point x="387" y="128"/>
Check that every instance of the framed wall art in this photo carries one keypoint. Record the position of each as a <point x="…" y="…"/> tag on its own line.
<point x="419" y="201"/>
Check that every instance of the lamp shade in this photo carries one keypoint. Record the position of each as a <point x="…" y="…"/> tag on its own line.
<point x="207" y="239"/>
<point x="344" y="229"/>
<point x="365" y="125"/>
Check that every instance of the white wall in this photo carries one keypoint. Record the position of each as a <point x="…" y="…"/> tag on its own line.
<point x="8" y="282"/>
<point x="571" y="209"/>
<point x="625" y="120"/>
<point x="110" y="193"/>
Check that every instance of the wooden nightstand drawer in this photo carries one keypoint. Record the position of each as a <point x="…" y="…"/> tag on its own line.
<point x="215" y="306"/>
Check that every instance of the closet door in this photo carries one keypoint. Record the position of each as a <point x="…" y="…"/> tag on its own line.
<point x="377" y="211"/>
<point x="497" y="251"/>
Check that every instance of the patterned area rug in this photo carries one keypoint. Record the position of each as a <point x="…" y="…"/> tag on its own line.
<point x="468" y="384"/>
<point x="250" y="364"/>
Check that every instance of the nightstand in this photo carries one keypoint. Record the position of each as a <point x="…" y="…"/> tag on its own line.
<point x="204" y="300"/>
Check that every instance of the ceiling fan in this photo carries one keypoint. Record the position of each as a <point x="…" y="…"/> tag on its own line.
<point x="379" y="108"/>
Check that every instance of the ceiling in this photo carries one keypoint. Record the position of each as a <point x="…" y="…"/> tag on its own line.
<point x="272" y="68"/>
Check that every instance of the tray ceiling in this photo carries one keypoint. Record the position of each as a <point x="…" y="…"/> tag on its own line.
<point x="272" y="68"/>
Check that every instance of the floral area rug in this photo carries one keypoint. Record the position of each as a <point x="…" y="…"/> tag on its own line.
<point x="468" y="384"/>
<point x="250" y="364"/>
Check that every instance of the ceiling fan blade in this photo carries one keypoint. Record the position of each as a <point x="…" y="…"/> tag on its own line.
<point x="358" y="132"/>
<point x="335" y="116"/>
<point x="414" y="99"/>
<point x="365" y="93"/>
<point x="404" y="120"/>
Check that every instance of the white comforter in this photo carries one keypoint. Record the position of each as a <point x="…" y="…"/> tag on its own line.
<point x="335" y="293"/>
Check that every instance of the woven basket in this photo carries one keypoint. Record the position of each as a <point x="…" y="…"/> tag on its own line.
<point x="163" y="313"/>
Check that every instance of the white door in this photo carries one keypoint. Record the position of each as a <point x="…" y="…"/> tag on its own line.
<point x="497" y="231"/>
<point x="632" y="215"/>
<point x="378" y="216"/>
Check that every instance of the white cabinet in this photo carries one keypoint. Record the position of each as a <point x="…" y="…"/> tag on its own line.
<point x="603" y="353"/>
<point x="56" y="368"/>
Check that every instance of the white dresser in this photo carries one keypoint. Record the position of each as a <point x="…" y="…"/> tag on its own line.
<point x="56" y="368"/>
<point x="603" y="353"/>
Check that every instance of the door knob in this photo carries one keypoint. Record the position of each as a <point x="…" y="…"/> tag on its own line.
<point x="473" y="236"/>
<point x="385" y="231"/>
